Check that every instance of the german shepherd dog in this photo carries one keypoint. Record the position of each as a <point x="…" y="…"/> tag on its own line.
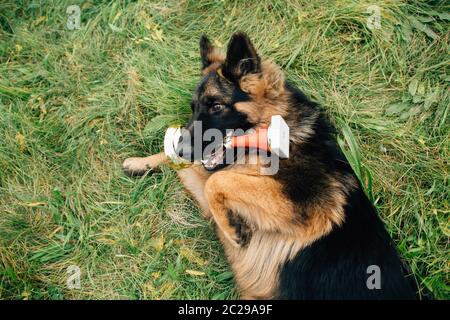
<point x="306" y="232"/>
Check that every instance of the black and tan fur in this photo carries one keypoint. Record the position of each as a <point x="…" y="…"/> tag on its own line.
<point x="307" y="232"/>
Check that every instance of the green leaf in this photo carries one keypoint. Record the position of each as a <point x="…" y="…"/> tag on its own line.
<point x="219" y="296"/>
<point x="114" y="28"/>
<point x="224" y="276"/>
<point x="158" y="123"/>
<point x="441" y="15"/>
<point x="396" y="108"/>
<point x="417" y="98"/>
<point x="421" y="89"/>
<point x="406" y="31"/>
<point x="350" y="149"/>
<point x="405" y="115"/>
<point x="412" y="88"/>
<point x="444" y="16"/>
<point x="431" y="98"/>
<point x="421" y="27"/>
<point x="406" y="98"/>
<point x="425" y="19"/>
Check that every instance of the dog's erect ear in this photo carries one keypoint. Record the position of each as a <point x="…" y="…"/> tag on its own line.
<point x="206" y="51"/>
<point x="241" y="58"/>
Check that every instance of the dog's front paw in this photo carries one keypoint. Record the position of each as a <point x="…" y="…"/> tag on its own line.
<point x="136" y="166"/>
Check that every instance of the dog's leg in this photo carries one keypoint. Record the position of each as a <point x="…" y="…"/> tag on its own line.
<point x="139" y="166"/>
<point x="257" y="200"/>
<point x="194" y="180"/>
<point x="262" y="205"/>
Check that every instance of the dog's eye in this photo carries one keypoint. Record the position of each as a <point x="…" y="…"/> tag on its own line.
<point x="217" y="107"/>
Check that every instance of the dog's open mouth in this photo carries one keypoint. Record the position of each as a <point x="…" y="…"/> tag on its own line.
<point x="215" y="160"/>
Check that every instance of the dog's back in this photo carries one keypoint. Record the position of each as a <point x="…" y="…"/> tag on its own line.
<point x="357" y="259"/>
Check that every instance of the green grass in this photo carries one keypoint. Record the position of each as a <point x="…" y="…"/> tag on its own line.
<point x="74" y="104"/>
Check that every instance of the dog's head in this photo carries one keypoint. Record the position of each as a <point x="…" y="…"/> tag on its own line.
<point x="236" y="91"/>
